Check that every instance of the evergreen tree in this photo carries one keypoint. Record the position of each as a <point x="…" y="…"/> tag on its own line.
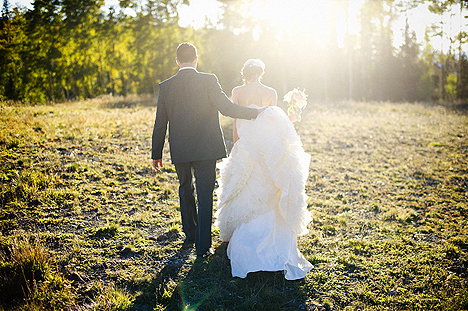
<point x="410" y="70"/>
<point x="5" y="10"/>
<point x="65" y="49"/>
<point x="462" y="89"/>
<point x="11" y="49"/>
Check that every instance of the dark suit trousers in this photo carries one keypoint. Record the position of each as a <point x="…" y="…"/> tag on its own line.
<point x="197" y="224"/>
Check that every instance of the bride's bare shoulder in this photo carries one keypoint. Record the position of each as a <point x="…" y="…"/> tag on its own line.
<point x="238" y="89"/>
<point x="271" y="90"/>
<point x="254" y="93"/>
<point x="271" y="93"/>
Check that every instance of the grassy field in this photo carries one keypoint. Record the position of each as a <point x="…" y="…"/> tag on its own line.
<point x="86" y="224"/>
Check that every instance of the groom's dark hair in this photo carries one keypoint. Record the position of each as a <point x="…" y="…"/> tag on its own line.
<point x="186" y="52"/>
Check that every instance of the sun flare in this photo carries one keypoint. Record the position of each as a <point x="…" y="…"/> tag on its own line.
<point x="318" y="20"/>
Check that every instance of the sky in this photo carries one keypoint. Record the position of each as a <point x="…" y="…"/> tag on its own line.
<point x="315" y="15"/>
<point x="316" y="11"/>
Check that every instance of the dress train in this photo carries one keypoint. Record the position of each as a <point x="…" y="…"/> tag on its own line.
<point x="262" y="200"/>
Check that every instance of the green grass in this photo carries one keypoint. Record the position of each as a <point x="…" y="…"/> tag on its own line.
<point x="85" y="223"/>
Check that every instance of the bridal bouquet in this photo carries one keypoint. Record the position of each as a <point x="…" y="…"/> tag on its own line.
<point x="297" y="101"/>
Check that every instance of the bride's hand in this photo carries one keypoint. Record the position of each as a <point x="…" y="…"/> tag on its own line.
<point x="292" y="117"/>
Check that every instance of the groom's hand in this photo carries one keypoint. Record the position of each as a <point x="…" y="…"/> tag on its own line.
<point x="260" y="110"/>
<point x="157" y="164"/>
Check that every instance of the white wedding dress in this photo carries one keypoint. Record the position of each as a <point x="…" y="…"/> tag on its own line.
<point x="261" y="197"/>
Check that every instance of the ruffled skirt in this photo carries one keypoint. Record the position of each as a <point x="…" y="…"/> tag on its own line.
<point x="262" y="202"/>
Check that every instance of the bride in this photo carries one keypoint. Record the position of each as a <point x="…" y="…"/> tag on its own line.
<point x="262" y="202"/>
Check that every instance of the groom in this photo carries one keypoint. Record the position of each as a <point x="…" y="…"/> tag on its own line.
<point x="189" y="102"/>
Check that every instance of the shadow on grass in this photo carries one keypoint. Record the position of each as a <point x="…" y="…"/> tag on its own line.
<point x="208" y="285"/>
<point x="162" y="289"/>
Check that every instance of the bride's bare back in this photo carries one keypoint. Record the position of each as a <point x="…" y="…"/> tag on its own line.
<point x="254" y="93"/>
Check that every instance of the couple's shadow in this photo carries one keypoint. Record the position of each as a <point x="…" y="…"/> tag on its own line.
<point x="190" y="283"/>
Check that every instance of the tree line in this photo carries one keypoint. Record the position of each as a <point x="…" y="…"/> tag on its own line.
<point x="71" y="49"/>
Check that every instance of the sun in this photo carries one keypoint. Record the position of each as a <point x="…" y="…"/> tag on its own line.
<point x="316" y="20"/>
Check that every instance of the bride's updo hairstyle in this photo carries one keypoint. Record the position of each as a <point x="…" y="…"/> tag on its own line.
<point x="186" y="52"/>
<point x="253" y="69"/>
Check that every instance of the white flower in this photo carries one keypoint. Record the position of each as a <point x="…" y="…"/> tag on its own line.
<point x="296" y="98"/>
<point x="301" y="104"/>
<point x="297" y="101"/>
<point x="288" y="96"/>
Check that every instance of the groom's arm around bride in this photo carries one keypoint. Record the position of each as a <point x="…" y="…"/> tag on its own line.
<point x="189" y="103"/>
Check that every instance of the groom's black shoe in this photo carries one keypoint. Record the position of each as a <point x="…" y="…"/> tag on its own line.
<point x="206" y="254"/>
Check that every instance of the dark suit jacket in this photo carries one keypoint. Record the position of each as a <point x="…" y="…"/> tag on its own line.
<point x="189" y="102"/>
